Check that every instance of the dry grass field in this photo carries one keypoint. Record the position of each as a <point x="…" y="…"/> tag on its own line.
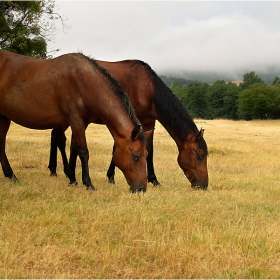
<point x="50" y="230"/>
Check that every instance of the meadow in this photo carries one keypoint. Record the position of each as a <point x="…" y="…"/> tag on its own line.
<point x="51" y="230"/>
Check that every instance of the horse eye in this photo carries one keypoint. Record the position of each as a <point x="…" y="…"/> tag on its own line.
<point x="199" y="157"/>
<point x="135" y="157"/>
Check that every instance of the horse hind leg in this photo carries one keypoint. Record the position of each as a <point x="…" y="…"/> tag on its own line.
<point x="111" y="170"/>
<point x="58" y="140"/>
<point x="7" y="170"/>
<point x="62" y="149"/>
<point x="150" y="163"/>
<point x="53" y="152"/>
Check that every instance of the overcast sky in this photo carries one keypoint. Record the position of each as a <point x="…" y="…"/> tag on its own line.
<point x="174" y="35"/>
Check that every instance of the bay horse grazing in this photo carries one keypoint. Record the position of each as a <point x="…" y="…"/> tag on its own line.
<point x="152" y="100"/>
<point x="71" y="90"/>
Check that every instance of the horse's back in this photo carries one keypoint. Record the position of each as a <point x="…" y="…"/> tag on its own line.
<point x="15" y="63"/>
<point x="35" y="92"/>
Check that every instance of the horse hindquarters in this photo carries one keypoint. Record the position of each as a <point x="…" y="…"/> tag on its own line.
<point x="4" y="127"/>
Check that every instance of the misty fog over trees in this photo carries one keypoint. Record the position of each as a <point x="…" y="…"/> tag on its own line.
<point x="252" y="98"/>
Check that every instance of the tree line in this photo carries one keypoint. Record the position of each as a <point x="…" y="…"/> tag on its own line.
<point x="251" y="99"/>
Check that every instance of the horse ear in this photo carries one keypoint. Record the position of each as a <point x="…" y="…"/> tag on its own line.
<point x="201" y="132"/>
<point x="136" y="132"/>
<point x="198" y="135"/>
<point x="149" y="133"/>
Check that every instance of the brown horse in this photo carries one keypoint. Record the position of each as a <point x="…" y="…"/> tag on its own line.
<point x="71" y="90"/>
<point x="152" y="100"/>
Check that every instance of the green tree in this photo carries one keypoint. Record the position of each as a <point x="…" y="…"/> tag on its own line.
<point x="192" y="97"/>
<point x="195" y="100"/>
<point x="215" y="97"/>
<point x="259" y="101"/>
<point x="26" y="26"/>
<point x="222" y="99"/>
<point x="250" y="79"/>
<point x="179" y="91"/>
<point x="276" y="81"/>
<point x="230" y="101"/>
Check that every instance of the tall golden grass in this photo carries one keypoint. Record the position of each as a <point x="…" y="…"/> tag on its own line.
<point x="50" y="230"/>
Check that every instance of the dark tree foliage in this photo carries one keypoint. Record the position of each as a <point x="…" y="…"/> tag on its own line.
<point x="179" y="91"/>
<point x="193" y="98"/>
<point x="250" y="79"/>
<point x="230" y="101"/>
<point x="276" y="81"/>
<point x="196" y="100"/>
<point x="25" y="26"/>
<point x="215" y="97"/>
<point x="259" y="101"/>
<point x="170" y="81"/>
<point x="222" y="99"/>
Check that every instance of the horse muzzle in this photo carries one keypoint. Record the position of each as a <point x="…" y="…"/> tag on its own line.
<point x="137" y="188"/>
<point x="202" y="187"/>
<point x="196" y="183"/>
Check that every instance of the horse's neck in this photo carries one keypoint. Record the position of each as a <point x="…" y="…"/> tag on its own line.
<point x="119" y="133"/>
<point x="118" y="123"/>
<point x="172" y="115"/>
<point x="170" y="129"/>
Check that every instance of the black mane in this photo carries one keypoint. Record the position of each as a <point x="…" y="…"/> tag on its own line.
<point x="117" y="88"/>
<point x="170" y="109"/>
<point x="119" y="91"/>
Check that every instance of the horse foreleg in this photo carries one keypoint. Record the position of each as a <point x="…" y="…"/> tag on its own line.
<point x="72" y="163"/>
<point x="111" y="170"/>
<point x="79" y="148"/>
<point x="150" y="163"/>
<point x="84" y="157"/>
<point x="7" y="170"/>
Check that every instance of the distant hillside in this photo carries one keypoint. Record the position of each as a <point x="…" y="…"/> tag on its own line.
<point x="185" y="78"/>
<point x="170" y="81"/>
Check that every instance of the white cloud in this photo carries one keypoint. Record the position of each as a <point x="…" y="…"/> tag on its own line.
<point x="175" y="35"/>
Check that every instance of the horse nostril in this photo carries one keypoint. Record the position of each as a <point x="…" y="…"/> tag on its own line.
<point x="141" y="189"/>
<point x="197" y="187"/>
<point x="204" y="187"/>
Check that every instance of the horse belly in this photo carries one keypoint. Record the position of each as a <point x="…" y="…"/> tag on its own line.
<point x="44" y="121"/>
<point x="32" y="115"/>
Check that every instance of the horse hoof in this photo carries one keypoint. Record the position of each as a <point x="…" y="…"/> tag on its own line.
<point x="91" y="188"/>
<point x="156" y="183"/>
<point x="140" y="190"/>
<point x="73" y="184"/>
<point x="204" y="188"/>
<point x="111" y="180"/>
<point x="13" y="178"/>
